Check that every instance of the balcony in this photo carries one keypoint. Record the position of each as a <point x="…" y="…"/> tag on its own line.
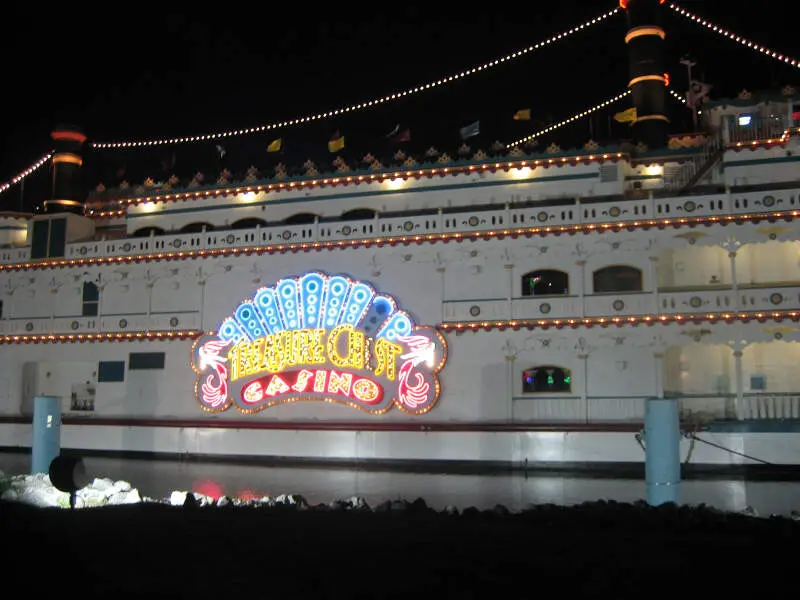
<point x="695" y="408"/>
<point x="544" y="217"/>
<point x="133" y="322"/>
<point x="700" y="301"/>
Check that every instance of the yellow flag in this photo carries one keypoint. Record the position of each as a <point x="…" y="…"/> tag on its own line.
<point x="275" y="145"/>
<point x="523" y="115"/>
<point x="626" y="116"/>
<point x="336" y="143"/>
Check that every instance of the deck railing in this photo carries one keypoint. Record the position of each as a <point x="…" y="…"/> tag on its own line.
<point x="695" y="408"/>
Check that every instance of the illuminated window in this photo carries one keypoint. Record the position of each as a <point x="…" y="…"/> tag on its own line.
<point x="545" y="282"/>
<point x="547" y="378"/>
<point x="745" y="119"/>
<point x="617" y="278"/>
<point x="91" y="299"/>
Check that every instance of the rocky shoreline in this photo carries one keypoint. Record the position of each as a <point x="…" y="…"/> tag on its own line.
<point x="398" y="548"/>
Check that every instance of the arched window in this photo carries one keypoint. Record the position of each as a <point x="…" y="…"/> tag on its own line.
<point x="90" y="299"/>
<point x="300" y="219"/>
<point x="197" y="227"/>
<point x="546" y="378"/>
<point x="617" y="278"/>
<point x="358" y="214"/>
<point x="250" y="223"/>
<point x="147" y="232"/>
<point x="545" y="282"/>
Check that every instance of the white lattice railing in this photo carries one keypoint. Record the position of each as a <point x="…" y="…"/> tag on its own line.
<point x="631" y="409"/>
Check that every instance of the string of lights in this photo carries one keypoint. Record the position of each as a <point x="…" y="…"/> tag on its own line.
<point x="20" y="176"/>
<point x="363" y="105"/>
<point x="677" y="96"/>
<point x="736" y="38"/>
<point x="681" y="99"/>
<point x="573" y="118"/>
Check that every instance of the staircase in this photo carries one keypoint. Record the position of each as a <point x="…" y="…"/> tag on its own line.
<point x="703" y="169"/>
<point x="692" y="171"/>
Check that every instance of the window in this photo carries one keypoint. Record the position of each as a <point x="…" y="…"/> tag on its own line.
<point x="111" y="370"/>
<point x="82" y="397"/>
<point x="617" y="278"/>
<point x="48" y="238"/>
<point x="357" y="214"/>
<point x="250" y="223"/>
<point x="758" y="383"/>
<point x="145" y="360"/>
<point x="545" y="282"/>
<point x="548" y="378"/>
<point x="197" y="228"/>
<point x="745" y="119"/>
<point x="147" y="232"/>
<point x="300" y="219"/>
<point x="91" y="299"/>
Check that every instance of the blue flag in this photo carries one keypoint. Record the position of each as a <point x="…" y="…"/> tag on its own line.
<point x="471" y="130"/>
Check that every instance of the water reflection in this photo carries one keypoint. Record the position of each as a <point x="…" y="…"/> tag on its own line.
<point x="157" y="479"/>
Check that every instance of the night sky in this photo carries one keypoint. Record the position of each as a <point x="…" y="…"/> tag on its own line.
<point x="135" y="72"/>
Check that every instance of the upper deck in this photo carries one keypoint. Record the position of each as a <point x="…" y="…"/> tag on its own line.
<point x="518" y="195"/>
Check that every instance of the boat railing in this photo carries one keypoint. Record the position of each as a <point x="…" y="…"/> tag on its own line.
<point x="696" y="165"/>
<point x="698" y="409"/>
<point x="644" y="304"/>
<point x="754" y="127"/>
<point x="501" y="220"/>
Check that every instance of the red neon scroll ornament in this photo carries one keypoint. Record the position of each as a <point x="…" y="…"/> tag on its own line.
<point x="214" y="393"/>
<point x="422" y="350"/>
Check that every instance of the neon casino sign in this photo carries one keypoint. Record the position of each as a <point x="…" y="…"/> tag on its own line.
<point x="319" y="337"/>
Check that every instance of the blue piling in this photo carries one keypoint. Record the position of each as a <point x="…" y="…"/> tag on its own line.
<point x="46" y="432"/>
<point x="662" y="437"/>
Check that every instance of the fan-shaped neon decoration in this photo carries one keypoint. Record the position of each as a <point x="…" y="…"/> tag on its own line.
<point x="319" y="337"/>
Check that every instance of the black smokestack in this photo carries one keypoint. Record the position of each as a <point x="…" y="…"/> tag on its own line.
<point x="67" y="163"/>
<point x="645" y="41"/>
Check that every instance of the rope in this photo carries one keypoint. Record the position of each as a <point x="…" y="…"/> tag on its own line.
<point x="692" y="436"/>
<point x="692" y="439"/>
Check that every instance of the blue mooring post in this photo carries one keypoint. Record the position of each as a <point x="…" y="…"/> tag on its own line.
<point x="46" y="432"/>
<point x="662" y="438"/>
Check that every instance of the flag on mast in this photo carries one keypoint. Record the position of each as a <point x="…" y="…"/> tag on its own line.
<point x="399" y="135"/>
<point x="336" y="142"/>
<point x="470" y="130"/>
<point x="626" y="116"/>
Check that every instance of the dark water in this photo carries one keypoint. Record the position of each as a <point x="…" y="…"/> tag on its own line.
<point x="157" y="479"/>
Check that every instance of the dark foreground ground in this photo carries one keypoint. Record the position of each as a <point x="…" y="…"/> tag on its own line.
<point x="411" y="552"/>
